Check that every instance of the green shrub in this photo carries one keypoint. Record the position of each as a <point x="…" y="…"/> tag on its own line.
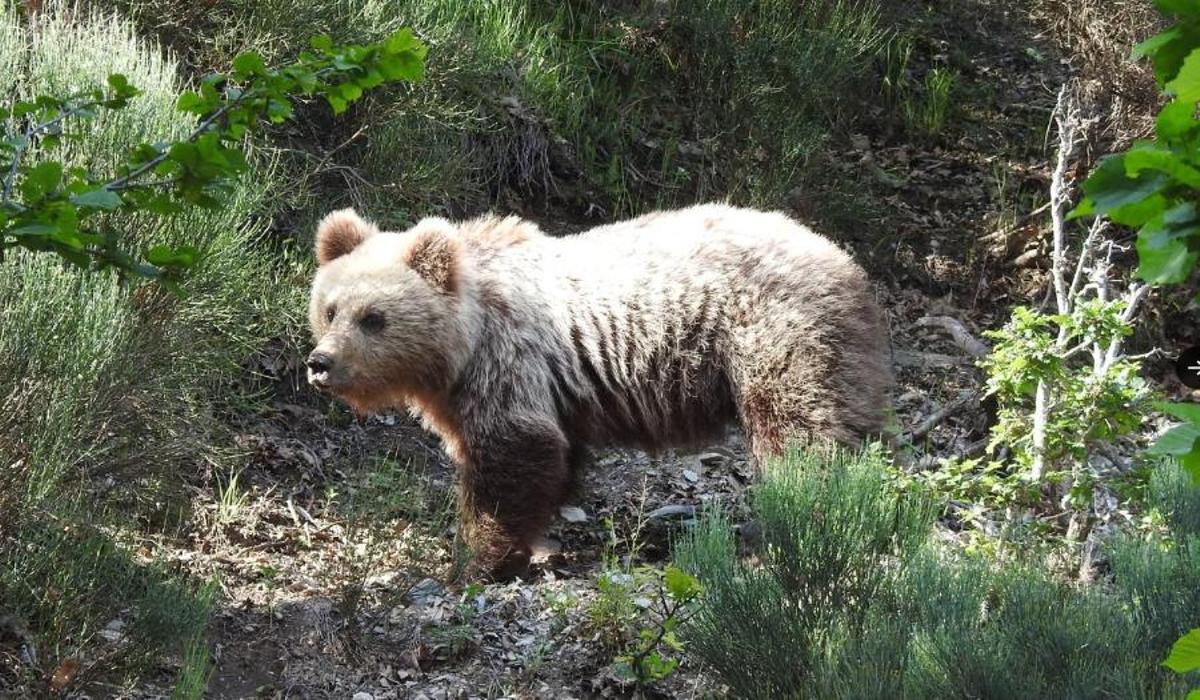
<point x="847" y="597"/>
<point x="833" y="535"/>
<point x="110" y="391"/>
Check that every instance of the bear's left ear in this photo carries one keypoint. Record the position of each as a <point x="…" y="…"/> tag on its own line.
<point x="435" y="253"/>
<point x="339" y="233"/>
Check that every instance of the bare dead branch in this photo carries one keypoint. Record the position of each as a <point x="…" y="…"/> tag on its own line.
<point x="937" y="417"/>
<point x="963" y="339"/>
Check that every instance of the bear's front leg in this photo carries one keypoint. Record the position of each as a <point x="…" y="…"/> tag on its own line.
<point x="513" y="479"/>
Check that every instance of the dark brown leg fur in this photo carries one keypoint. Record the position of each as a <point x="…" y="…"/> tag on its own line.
<point x="508" y="494"/>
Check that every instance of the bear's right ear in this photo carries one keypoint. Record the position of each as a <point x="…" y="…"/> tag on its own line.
<point x="339" y="233"/>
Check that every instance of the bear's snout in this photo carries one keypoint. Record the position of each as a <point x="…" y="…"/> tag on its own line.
<point x="319" y="365"/>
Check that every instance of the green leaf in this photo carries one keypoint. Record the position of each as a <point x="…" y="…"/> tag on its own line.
<point x="1186" y="84"/>
<point x="98" y="198"/>
<point x="336" y="102"/>
<point x="42" y="179"/>
<point x="1179" y="440"/>
<point x="278" y="111"/>
<point x="1183" y="411"/>
<point x="1110" y="187"/>
<point x="121" y="87"/>
<point x="167" y="256"/>
<point x="405" y="66"/>
<point x="20" y="109"/>
<point x="1182" y="8"/>
<point x="1137" y="214"/>
<point x="680" y="584"/>
<point x="1168" y="58"/>
<point x="34" y="230"/>
<point x="350" y="92"/>
<point x="249" y="63"/>
<point x="1185" y="653"/>
<point x="1151" y="46"/>
<point x="321" y="42"/>
<point x="190" y="102"/>
<point x="1165" y="255"/>
<point x="1148" y="156"/>
<point x="403" y="40"/>
<point x="1177" y="120"/>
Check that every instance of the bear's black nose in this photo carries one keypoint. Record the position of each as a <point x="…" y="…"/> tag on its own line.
<point x="319" y="362"/>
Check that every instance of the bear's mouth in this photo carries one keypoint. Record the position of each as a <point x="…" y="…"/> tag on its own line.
<point x="319" y="381"/>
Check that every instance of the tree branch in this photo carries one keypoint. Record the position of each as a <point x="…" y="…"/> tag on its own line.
<point x="935" y="419"/>
<point x="957" y="332"/>
<point x="124" y="182"/>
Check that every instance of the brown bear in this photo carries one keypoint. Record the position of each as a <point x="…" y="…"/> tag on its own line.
<point x="521" y="350"/>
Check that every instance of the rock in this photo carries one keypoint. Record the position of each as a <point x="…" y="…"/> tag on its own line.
<point x="573" y="514"/>
<point x="426" y="591"/>
<point x="362" y="696"/>
<point x="677" y="512"/>
<point x="113" y="631"/>
<point x="691" y="476"/>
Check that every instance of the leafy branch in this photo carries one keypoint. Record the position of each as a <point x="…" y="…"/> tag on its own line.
<point x="677" y="591"/>
<point x="48" y="207"/>
<point x="1155" y="188"/>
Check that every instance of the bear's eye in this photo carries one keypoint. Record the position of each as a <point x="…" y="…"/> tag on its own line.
<point x="330" y="313"/>
<point x="371" y="322"/>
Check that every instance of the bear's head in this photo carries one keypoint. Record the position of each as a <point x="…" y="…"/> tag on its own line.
<point x="389" y="311"/>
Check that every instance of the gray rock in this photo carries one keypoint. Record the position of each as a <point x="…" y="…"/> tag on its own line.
<point x="426" y="591"/>
<point x="573" y="514"/>
<point x="677" y="512"/>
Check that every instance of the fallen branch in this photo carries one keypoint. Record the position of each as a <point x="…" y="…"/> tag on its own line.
<point x="925" y="360"/>
<point x="937" y="417"/>
<point x="958" y="333"/>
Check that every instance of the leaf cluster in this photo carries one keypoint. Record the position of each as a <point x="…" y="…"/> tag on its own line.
<point x="1153" y="186"/>
<point x="1028" y="351"/>
<point x="47" y="207"/>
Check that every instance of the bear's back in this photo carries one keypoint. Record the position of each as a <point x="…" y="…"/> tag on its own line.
<point x="632" y="325"/>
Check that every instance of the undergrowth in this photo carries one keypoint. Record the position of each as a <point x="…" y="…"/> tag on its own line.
<point x="849" y="596"/>
<point x="620" y="106"/>
<point x="113" y="390"/>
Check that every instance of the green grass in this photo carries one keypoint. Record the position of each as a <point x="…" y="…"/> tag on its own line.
<point x="845" y="598"/>
<point x="626" y="106"/>
<point x="112" y="391"/>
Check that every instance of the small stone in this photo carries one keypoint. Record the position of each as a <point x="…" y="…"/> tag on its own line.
<point x="691" y="476"/>
<point x="362" y="696"/>
<point x="573" y="514"/>
<point x="672" y="512"/>
<point x="426" y="591"/>
<point x="113" y="631"/>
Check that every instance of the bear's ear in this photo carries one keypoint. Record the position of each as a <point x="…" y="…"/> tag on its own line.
<point x="339" y="233"/>
<point x="435" y="253"/>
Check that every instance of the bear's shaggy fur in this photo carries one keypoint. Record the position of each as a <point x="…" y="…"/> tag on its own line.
<point x="520" y="350"/>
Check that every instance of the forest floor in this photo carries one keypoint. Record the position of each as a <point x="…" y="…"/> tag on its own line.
<point x="334" y="544"/>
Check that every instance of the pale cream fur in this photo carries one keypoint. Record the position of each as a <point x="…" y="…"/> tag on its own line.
<point x="652" y="332"/>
